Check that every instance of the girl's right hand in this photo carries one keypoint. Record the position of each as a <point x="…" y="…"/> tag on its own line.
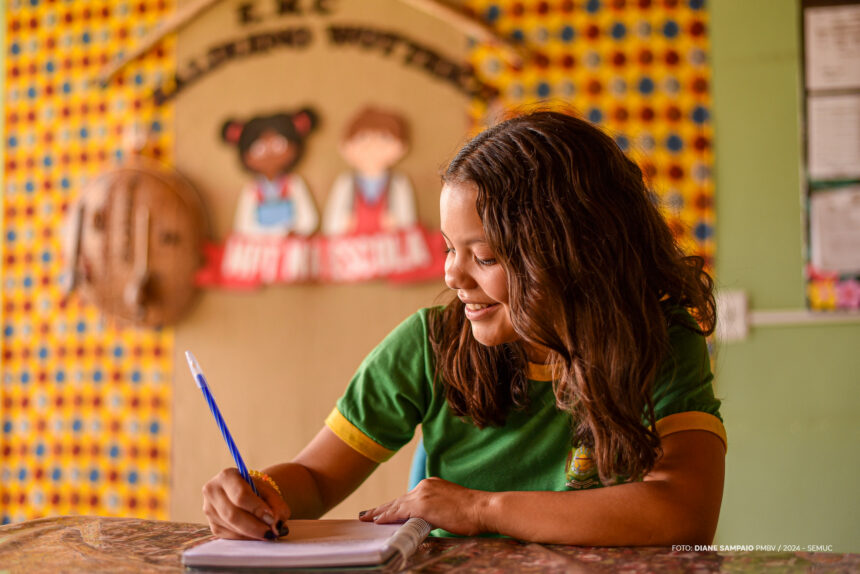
<point x="235" y="512"/>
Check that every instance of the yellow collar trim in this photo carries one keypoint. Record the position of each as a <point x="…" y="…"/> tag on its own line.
<point x="540" y="372"/>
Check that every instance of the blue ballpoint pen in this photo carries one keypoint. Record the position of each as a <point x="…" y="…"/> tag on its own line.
<point x="197" y="373"/>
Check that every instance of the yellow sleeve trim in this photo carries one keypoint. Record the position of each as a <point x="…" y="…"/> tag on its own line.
<point x="692" y="420"/>
<point x="540" y="372"/>
<point x="351" y="435"/>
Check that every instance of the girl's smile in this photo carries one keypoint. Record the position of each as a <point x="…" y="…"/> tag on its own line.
<point x="476" y="312"/>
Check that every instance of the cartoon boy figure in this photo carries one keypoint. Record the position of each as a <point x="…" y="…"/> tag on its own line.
<point x="371" y="198"/>
<point x="277" y="202"/>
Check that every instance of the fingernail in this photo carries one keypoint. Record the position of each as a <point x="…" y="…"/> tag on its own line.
<point x="283" y="530"/>
<point x="362" y="513"/>
<point x="268" y="518"/>
<point x="269" y="535"/>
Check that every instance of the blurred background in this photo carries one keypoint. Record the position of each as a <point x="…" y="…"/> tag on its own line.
<point x="100" y="416"/>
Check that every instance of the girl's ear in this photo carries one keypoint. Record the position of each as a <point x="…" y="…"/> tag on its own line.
<point x="231" y="131"/>
<point x="305" y="120"/>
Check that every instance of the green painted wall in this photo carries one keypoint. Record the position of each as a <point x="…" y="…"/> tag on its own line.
<point x="791" y="394"/>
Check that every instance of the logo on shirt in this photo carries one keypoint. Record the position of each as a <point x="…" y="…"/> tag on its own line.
<point x="581" y="469"/>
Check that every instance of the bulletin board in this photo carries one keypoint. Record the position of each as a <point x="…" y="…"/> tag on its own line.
<point x="831" y="40"/>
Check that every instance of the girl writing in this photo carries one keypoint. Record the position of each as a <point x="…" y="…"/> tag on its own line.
<point x="564" y="394"/>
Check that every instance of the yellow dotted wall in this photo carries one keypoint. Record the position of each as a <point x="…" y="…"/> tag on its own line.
<point x="637" y="68"/>
<point x="85" y="406"/>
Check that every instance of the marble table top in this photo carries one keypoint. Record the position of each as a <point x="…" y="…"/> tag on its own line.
<point x="120" y="545"/>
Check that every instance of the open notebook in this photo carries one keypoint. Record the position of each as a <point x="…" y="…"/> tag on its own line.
<point x="317" y="544"/>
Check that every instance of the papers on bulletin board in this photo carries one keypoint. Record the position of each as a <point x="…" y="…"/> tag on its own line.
<point x="834" y="137"/>
<point x="832" y="38"/>
<point x="834" y="229"/>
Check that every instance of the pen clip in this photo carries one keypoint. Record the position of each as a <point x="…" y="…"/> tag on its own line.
<point x="195" y="370"/>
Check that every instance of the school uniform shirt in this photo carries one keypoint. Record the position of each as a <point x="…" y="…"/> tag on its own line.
<point x="393" y="392"/>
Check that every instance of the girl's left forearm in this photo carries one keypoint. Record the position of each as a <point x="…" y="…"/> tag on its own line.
<point x="677" y="503"/>
<point x="635" y="514"/>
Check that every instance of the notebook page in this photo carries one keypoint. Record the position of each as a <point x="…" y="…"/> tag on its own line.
<point x="309" y="543"/>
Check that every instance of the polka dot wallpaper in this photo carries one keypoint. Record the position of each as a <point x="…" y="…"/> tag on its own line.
<point x="639" y="69"/>
<point x="84" y="404"/>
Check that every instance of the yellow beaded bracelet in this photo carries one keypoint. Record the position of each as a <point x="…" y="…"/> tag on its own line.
<point x="267" y="478"/>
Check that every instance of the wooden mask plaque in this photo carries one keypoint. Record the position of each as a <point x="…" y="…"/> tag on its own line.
<point x="134" y="243"/>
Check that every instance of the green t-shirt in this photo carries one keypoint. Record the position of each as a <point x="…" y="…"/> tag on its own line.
<point x="393" y="392"/>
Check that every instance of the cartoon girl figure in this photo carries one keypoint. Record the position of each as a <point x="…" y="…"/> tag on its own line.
<point x="277" y="202"/>
<point x="371" y="198"/>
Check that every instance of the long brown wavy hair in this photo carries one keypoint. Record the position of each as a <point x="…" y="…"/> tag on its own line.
<point x="591" y="268"/>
